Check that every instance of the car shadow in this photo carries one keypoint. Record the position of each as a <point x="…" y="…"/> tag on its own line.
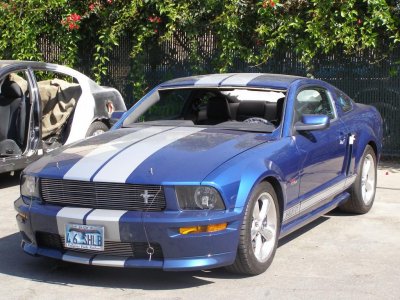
<point x="16" y="263"/>
<point x="283" y="241"/>
<point x="7" y="180"/>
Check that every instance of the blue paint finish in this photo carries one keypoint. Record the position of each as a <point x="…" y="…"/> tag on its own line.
<point x="136" y="105"/>
<point x="58" y="162"/>
<point x="273" y="81"/>
<point x="24" y="225"/>
<point x="44" y="217"/>
<point x="233" y="162"/>
<point x="203" y="152"/>
<point x="144" y="263"/>
<point x="186" y="81"/>
<point x="312" y="215"/>
<point x="199" y="263"/>
<point x="56" y="254"/>
<point x="238" y="176"/>
<point x="314" y="119"/>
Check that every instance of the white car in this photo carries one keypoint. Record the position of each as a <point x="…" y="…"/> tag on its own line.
<point x="44" y="106"/>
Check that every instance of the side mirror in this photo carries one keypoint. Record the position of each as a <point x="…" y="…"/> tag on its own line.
<point x="115" y="116"/>
<point x="312" y="122"/>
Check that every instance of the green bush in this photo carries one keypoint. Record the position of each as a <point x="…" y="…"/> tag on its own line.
<point x="249" y="30"/>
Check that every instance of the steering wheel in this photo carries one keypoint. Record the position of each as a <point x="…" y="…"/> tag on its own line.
<point x="257" y="120"/>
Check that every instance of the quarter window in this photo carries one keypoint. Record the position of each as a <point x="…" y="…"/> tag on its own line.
<point x="344" y="101"/>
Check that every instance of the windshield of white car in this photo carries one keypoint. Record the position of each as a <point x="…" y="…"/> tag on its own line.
<point x="234" y="108"/>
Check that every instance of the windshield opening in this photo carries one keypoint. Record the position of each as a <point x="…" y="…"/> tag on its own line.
<point x="235" y="108"/>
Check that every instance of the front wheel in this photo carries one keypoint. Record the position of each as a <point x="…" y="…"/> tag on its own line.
<point x="259" y="232"/>
<point x="364" y="188"/>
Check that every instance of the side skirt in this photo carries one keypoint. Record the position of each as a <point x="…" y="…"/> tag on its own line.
<point x="313" y="214"/>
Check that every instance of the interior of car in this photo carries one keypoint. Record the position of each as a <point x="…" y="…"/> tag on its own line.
<point x="14" y="115"/>
<point x="215" y="107"/>
<point x="58" y="98"/>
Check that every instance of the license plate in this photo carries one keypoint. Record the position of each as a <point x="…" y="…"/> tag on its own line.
<point x="89" y="237"/>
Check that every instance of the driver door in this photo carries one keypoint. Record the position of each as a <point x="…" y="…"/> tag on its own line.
<point x="323" y="151"/>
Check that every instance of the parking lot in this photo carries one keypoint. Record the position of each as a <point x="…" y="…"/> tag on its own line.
<point x="337" y="256"/>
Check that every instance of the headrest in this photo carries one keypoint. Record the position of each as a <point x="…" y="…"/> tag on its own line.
<point x="250" y="109"/>
<point x="11" y="89"/>
<point x="218" y="109"/>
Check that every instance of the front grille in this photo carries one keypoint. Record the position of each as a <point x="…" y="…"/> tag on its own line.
<point x="123" y="249"/>
<point x="103" y="195"/>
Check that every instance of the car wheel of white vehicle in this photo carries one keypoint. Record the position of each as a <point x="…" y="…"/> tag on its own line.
<point x="259" y="232"/>
<point x="364" y="188"/>
<point x="96" y="128"/>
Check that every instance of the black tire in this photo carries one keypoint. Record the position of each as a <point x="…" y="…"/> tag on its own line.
<point x="359" y="203"/>
<point x="246" y="261"/>
<point x="97" y="127"/>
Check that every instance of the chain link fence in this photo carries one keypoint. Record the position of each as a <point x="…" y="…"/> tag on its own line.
<point x="368" y="77"/>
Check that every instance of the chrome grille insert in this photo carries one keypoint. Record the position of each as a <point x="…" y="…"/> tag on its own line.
<point x="103" y="195"/>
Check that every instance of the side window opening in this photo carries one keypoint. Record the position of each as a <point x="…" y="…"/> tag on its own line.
<point x="59" y="94"/>
<point x="14" y="114"/>
<point x="313" y="101"/>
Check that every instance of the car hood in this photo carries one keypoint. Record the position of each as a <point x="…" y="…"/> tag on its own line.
<point x="147" y="155"/>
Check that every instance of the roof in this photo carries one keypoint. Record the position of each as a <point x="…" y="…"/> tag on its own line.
<point x="4" y="63"/>
<point x="255" y="80"/>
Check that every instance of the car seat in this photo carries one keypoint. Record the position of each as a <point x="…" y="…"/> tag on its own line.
<point x="218" y="110"/>
<point x="12" y="118"/>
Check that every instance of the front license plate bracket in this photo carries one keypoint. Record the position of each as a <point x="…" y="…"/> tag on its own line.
<point x="89" y="237"/>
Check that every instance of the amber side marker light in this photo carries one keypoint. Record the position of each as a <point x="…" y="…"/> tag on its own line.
<point x="23" y="217"/>
<point x="205" y="228"/>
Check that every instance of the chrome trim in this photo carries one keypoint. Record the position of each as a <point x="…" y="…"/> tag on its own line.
<point x="101" y="195"/>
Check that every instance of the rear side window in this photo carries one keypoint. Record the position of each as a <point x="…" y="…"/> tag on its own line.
<point x="344" y="101"/>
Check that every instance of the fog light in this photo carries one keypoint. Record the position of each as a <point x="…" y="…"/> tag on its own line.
<point x="204" y="228"/>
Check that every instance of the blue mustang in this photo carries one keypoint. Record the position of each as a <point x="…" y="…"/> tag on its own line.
<point x="203" y="172"/>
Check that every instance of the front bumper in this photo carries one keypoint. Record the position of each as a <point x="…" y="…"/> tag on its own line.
<point x="179" y="252"/>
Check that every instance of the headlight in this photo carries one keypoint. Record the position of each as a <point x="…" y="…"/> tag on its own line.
<point x="199" y="198"/>
<point x="29" y="186"/>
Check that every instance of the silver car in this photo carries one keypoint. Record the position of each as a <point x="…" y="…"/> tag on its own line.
<point x="44" y="106"/>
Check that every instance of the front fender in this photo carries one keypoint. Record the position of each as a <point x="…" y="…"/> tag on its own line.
<point x="238" y="177"/>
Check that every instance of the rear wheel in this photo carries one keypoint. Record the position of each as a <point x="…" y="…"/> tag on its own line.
<point x="96" y="128"/>
<point x="364" y="188"/>
<point x="259" y="232"/>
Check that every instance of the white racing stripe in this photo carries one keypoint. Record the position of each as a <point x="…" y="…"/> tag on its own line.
<point x="89" y="164"/>
<point x="109" y="261"/>
<point x="240" y="79"/>
<point x="72" y="215"/>
<point x="79" y="258"/>
<point x="109" y="219"/>
<point x="213" y="79"/>
<point x="120" y="167"/>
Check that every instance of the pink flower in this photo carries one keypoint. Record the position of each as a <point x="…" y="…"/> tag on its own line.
<point x="75" y="17"/>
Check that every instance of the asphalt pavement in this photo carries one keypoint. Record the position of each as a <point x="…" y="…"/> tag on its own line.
<point x="338" y="256"/>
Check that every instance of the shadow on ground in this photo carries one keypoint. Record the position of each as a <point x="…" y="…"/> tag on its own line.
<point x="6" y="180"/>
<point x="16" y="263"/>
<point x="390" y="166"/>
